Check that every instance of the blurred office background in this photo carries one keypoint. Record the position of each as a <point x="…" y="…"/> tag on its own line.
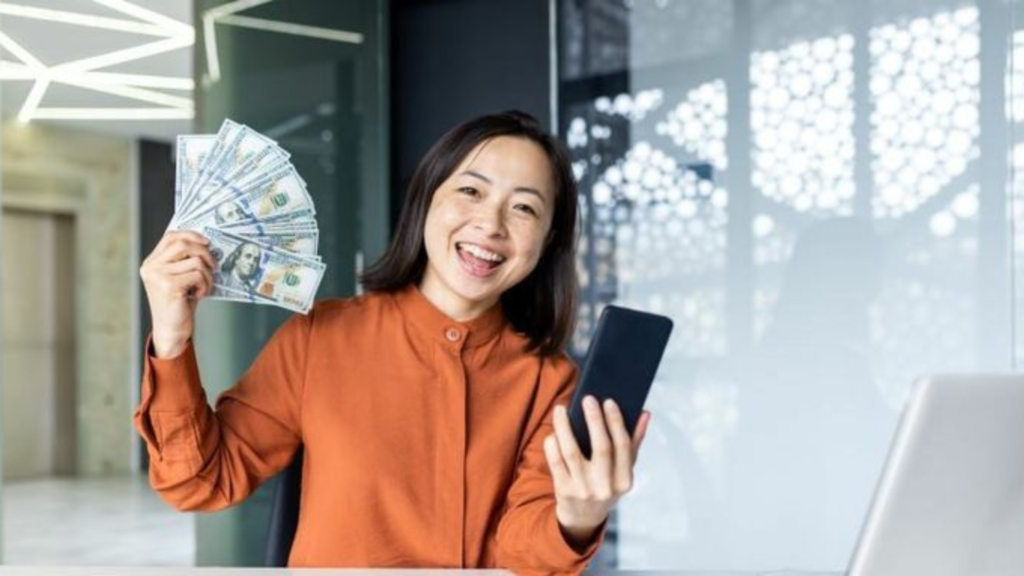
<point x="823" y="194"/>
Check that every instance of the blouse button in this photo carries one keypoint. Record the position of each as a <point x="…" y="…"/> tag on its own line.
<point x="452" y="335"/>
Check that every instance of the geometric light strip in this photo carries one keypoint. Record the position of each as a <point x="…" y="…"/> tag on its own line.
<point x="16" y="71"/>
<point x="228" y="14"/>
<point x="166" y="35"/>
<point x="77" y="19"/>
<point x="164" y="113"/>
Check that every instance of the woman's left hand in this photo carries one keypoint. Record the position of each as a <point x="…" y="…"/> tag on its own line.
<point x="586" y="490"/>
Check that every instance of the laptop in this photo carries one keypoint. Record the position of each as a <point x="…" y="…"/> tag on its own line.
<point x="951" y="498"/>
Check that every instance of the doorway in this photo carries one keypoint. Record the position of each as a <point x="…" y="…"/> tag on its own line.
<point x="38" y="377"/>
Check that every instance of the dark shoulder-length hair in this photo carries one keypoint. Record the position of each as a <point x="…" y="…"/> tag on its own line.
<point x="543" y="305"/>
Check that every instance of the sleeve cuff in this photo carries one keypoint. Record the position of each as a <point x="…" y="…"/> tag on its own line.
<point x="565" y="553"/>
<point x="174" y="384"/>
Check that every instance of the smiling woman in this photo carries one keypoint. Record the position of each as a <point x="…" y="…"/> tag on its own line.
<point x="431" y="409"/>
<point x="491" y="214"/>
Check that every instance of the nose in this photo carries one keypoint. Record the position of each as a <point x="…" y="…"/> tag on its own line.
<point x="490" y="219"/>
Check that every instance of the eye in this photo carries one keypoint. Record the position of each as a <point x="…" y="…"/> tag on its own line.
<point x="525" y="209"/>
<point x="469" y="191"/>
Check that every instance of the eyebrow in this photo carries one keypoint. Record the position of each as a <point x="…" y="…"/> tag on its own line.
<point x="526" y="189"/>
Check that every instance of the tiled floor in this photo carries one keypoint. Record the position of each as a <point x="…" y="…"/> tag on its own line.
<point x="94" y="521"/>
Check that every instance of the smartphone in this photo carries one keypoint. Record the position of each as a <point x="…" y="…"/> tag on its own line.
<point x="621" y="362"/>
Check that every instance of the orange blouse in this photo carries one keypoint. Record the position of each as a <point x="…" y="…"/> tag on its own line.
<point x="423" y="437"/>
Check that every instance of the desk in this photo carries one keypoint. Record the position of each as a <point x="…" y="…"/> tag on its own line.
<point x="188" y="571"/>
<point x="180" y="571"/>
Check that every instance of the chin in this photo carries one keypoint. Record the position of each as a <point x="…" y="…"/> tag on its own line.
<point x="475" y="293"/>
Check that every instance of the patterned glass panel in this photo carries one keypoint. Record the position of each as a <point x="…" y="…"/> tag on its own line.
<point x="816" y="192"/>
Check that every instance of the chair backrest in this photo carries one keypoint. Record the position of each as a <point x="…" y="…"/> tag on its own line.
<point x="284" y="515"/>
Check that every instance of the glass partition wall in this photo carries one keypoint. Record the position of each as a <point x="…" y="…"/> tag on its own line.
<point x="312" y="76"/>
<point x="818" y="192"/>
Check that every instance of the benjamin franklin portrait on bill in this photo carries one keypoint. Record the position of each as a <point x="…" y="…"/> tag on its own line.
<point x="229" y="213"/>
<point x="241" y="268"/>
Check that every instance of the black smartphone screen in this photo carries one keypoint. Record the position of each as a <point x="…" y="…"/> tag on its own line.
<point x="621" y="362"/>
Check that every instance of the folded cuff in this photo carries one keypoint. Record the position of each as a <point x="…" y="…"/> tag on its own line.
<point x="563" y="553"/>
<point x="172" y="384"/>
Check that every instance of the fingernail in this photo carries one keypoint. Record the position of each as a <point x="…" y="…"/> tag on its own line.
<point x="590" y="401"/>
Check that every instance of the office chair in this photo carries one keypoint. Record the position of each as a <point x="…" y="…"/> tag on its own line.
<point x="284" y="513"/>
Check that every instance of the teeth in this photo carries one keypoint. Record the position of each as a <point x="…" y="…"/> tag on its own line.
<point x="481" y="253"/>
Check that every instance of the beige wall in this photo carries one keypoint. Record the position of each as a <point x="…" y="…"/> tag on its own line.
<point x="87" y="176"/>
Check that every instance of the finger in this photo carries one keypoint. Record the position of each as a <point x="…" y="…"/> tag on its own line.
<point x="567" y="442"/>
<point x="190" y="235"/>
<point x="201" y="252"/>
<point x="207" y="287"/>
<point x="640" y="433"/>
<point x="600" y="443"/>
<point x="559" y="471"/>
<point x="178" y="249"/>
<point x="623" y="469"/>
<point x="178" y="238"/>
<point x="186" y="265"/>
<point x="204" y="253"/>
<point x="185" y="284"/>
<point x="178" y="235"/>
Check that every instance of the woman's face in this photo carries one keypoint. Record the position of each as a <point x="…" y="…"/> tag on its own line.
<point x="487" y="225"/>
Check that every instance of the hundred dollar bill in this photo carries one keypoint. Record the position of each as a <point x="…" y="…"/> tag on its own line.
<point x="300" y="242"/>
<point x="271" y="228"/>
<point x="244" y="163"/>
<point x="192" y="151"/>
<point x="254" y="227"/>
<point x="252" y="153"/>
<point x="257" y="232"/>
<point x="222" y="293"/>
<point x="228" y="133"/>
<point x="278" y="194"/>
<point x="298" y="219"/>
<point x="245" y="266"/>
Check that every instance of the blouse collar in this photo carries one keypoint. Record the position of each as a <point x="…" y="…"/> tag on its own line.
<point x="438" y="326"/>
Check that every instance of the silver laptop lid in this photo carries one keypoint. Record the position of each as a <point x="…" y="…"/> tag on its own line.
<point x="951" y="498"/>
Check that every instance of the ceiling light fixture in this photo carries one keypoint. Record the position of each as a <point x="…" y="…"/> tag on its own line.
<point x="140" y="80"/>
<point x="228" y="14"/>
<point x="210" y="31"/>
<point x="86" y="72"/>
<point x="112" y="114"/>
<point x="130" y="9"/>
<point x="133" y="93"/>
<point x="126" y="55"/>
<point x="31" y="103"/>
<point x="86" y="20"/>
<point x="295" y="29"/>
<point x="20" y="53"/>
<point x="16" y="71"/>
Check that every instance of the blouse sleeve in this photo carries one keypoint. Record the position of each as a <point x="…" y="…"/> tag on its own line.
<point x="208" y="459"/>
<point x="530" y="540"/>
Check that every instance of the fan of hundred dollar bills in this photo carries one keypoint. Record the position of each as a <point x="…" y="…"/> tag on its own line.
<point x="239" y="189"/>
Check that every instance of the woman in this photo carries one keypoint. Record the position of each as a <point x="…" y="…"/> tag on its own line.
<point x="431" y="409"/>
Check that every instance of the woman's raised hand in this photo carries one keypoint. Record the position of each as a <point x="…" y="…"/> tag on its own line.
<point x="586" y="489"/>
<point x="176" y="275"/>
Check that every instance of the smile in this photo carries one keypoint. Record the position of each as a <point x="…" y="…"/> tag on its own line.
<point x="478" y="261"/>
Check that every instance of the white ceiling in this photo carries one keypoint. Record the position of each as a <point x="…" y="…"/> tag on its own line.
<point x="54" y="43"/>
